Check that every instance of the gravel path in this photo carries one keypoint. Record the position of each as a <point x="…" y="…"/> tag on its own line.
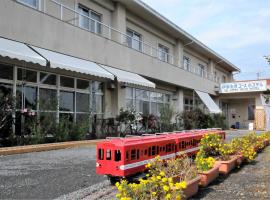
<point x="49" y="174"/>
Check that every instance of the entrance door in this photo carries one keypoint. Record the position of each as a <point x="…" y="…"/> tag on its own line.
<point x="259" y="119"/>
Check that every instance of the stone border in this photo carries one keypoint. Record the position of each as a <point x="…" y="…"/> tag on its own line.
<point x="45" y="147"/>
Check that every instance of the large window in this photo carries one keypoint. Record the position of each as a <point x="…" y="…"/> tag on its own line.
<point x="163" y="53"/>
<point x="146" y="102"/>
<point x="134" y="40"/>
<point x="89" y="19"/>
<point x="31" y="3"/>
<point x="188" y="103"/>
<point x="51" y="100"/>
<point x="186" y="63"/>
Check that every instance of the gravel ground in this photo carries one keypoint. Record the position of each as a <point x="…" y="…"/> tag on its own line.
<point x="47" y="175"/>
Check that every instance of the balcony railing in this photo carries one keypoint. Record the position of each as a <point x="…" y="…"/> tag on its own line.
<point x="74" y="17"/>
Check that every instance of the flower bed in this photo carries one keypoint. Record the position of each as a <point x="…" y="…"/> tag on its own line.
<point x="180" y="178"/>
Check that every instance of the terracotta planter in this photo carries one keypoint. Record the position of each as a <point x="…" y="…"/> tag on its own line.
<point x="227" y="166"/>
<point x="192" y="187"/>
<point x="208" y="176"/>
<point x="266" y="143"/>
<point x="239" y="160"/>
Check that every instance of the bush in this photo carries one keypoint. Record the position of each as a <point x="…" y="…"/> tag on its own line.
<point x="166" y="114"/>
<point x="197" y="119"/>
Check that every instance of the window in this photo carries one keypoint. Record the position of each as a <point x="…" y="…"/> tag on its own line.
<point x="251" y="109"/>
<point x="82" y="102"/>
<point x="201" y="70"/>
<point x="188" y="103"/>
<point x="6" y="72"/>
<point x="223" y="79"/>
<point x="26" y="97"/>
<point x="215" y="76"/>
<point x="145" y="101"/>
<point x="133" y="154"/>
<point x="117" y="155"/>
<point x="100" y="154"/>
<point x="89" y="19"/>
<point x="31" y="3"/>
<point x="47" y="99"/>
<point x="82" y="84"/>
<point x="48" y="79"/>
<point x="66" y="101"/>
<point x="186" y="62"/>
<point x="153" y="150"/>
<point x="163" y="53"/>
<point x="134" y="40"/>
<point x="108" y="154"/>
<point x="27" y="75"/>
<point x="66" y="82"/>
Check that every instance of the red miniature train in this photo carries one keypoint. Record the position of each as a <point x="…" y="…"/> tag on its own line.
<point x="124" y="157"/>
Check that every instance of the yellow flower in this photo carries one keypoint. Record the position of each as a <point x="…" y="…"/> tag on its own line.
<point x="181" y="185"/>
<point x="164" y="180"/>
<point x="162" y="173"/>
<point x="178" y="197"/>
<point x="154" y="193"/>
<point x="168" y="196"/>
<point x="166" y="188"/>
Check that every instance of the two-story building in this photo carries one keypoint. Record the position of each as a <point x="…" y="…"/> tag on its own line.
<point x="75" y="57"/>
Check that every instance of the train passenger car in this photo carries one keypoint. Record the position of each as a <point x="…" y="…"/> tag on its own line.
<point x="124" y="157"/>
<point x="127" y="156"/>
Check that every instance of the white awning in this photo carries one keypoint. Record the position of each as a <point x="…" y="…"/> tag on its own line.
<point x="129" y="77"/>
<point x="20" y="51"/>
<point x="61" y="61"/>
<point x="209" y="102"/>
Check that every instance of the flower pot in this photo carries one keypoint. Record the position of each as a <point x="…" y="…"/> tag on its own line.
<point x="192" y="187"/>
<point x="227" y="166"/>
<point x="266" y="143"/>
<point x="239" y="160"/>
<point x="208" y="176"/>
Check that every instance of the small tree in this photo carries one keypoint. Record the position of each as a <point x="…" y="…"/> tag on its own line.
<point x="166" y="114"/>
<point x="267" y="59"/>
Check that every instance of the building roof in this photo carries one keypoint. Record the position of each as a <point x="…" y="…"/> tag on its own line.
<point x="146" y="12"/>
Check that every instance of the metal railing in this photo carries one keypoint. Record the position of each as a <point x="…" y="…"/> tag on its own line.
<point x="74" y="17"/>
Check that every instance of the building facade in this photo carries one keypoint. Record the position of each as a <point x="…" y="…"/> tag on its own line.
<point x="83" y="58"/>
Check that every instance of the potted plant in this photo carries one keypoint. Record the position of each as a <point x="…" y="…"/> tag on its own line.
<point x="243" y="150"/>
<point x="213" y="145"/>
<point x="207" y="168"/>
<point x="180" y="169"/>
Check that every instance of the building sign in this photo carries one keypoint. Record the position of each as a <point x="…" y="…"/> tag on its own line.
<point x="245" y="86"/>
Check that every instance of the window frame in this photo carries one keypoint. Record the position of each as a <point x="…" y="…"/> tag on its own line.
<point x="97" y="23"/>
<point x="37" y="7"/>
<point x="130" y="39"/>
<point x="186" y="63"/>
<point x="163" y="53"/>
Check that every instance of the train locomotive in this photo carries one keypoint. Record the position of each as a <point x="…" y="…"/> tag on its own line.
<point x="124" y="157"/>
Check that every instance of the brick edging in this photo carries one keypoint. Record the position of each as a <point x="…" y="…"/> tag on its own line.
<point x="45" y="147"/>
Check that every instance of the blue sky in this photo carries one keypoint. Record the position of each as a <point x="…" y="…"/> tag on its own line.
<point x="239" y="30"/>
